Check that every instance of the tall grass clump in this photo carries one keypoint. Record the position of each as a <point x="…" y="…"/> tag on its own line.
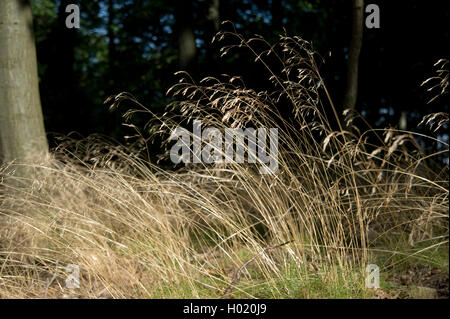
<point x="342" y="197"/>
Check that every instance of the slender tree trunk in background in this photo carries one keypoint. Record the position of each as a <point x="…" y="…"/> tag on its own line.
<point x="351" y="93"/>
<point x="22" y="134"/>
<point x="211" y="29"/>
<point x="187" y="49"/>
<point x="214" y="14"/>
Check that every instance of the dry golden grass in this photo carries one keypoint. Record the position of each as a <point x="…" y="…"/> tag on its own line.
<point x="139" y="231"/>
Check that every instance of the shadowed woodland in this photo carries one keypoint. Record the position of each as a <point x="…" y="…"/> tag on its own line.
<point x="86" y="177"/>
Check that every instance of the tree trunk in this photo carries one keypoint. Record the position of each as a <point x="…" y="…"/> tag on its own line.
<point x="355" y="48"/>
<point x="187" y="49"/>
<point x="22" y="134"/>
<point x="211" y="28"/>
<point x="213" y="14"/>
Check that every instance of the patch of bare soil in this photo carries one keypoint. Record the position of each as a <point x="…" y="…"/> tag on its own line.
<point x="423" y="281"/>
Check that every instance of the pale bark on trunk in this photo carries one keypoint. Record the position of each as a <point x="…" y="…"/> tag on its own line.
<point x="214" y="15"/>
<point x="351" y="93"/>
<point x="211" y="28"/>
<point x="22" y="134"/>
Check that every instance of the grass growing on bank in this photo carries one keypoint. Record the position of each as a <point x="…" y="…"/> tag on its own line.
<point x="341" y="199"/>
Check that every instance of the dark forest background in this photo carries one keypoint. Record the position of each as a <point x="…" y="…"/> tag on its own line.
<point x="134" y="46"/>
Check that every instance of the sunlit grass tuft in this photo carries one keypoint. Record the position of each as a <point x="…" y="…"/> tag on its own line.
<point x="342" y="198"/>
